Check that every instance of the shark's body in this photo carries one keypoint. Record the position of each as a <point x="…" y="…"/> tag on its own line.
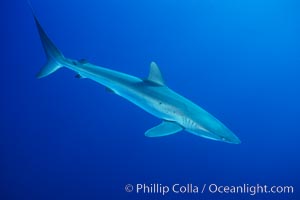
<point x="152" y="95"/>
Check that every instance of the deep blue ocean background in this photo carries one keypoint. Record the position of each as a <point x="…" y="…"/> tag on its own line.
<point x="64" y="138"/>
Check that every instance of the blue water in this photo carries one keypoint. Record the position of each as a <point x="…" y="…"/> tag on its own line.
<point x="64" y="138"/>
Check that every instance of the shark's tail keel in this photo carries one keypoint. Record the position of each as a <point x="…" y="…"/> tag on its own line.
<point x="54" y="56"/>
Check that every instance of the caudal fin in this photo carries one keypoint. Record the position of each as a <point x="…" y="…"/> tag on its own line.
<point x="54" y="56"/>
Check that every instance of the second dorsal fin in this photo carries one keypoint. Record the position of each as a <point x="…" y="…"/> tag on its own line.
<point x="155" y="74"/>
<point x="83" y="61"/>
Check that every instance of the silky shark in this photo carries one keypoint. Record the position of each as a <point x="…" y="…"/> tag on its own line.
<point x="151" y="94"/>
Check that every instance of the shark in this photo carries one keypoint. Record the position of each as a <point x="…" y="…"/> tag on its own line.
<point x="150" y="94"/>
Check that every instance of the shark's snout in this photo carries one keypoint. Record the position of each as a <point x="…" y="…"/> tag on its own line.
<point x="233" y="139"/>
<point x="218" y="132"/>
<point x="228" y="136"/>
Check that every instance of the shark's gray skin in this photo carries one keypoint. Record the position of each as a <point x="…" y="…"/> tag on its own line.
<point x="152" y="95"/>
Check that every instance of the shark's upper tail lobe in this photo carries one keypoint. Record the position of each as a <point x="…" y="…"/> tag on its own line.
<point x="54" y="56"/>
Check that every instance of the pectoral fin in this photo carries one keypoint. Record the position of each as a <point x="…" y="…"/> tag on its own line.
<point x="164" y="129"/>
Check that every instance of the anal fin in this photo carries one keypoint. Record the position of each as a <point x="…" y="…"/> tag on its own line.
<point x="109" y="90"/>
<point x="79" y="76"/>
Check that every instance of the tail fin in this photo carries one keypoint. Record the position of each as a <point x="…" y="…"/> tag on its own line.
<point x="54" y="56"/>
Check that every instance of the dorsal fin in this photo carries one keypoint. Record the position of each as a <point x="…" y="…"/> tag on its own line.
<point x="155" y="74"/>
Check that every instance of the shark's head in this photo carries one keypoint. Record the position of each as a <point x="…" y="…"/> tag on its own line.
<point x="213" y="129"/>
<point x="222" y="135"/>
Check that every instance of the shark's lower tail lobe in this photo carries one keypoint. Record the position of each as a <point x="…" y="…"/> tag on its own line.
<point x="54" y="56"/>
